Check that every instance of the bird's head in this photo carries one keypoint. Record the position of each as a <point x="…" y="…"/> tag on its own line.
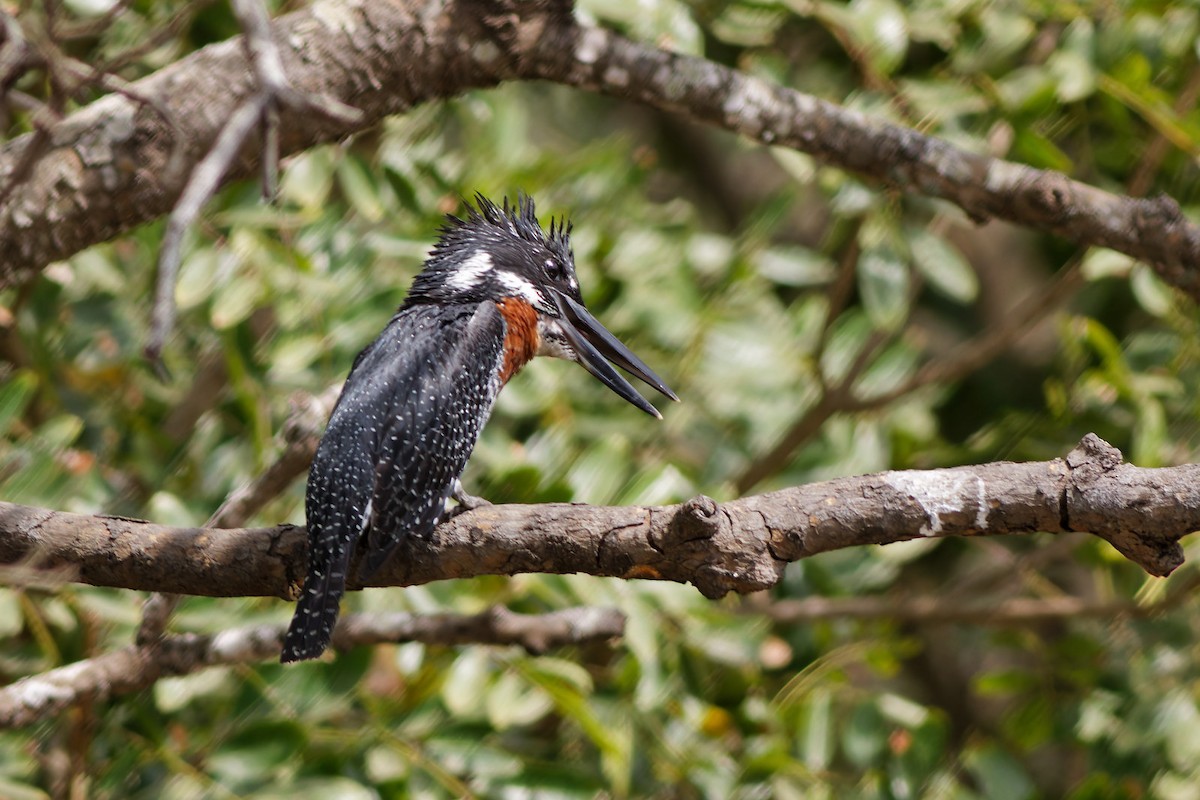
<point x="500" y="253"/>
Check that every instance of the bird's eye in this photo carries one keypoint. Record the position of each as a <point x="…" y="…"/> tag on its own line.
<point x="554" y="269"/>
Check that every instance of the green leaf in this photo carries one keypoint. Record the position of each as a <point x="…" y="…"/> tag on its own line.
<point x="940" y="101"/>
<point x="818" y="743"/>
<point x="1073" y="63"/>
<point x="1031" y="724"/>
<point x="795" y="266"/>
<point x="881" y="27"/>
<point x="883" y="282"/>
<point x="198" y="276"/>
<point x="999" y="776"/>
<point x="1150" y="435"/>
<point x="361" y="188"/>
<point x="248" y="758"/>
<point x="15" y="790"/>
<point x="1038" y="151"/>
<point x="1074" y="75"/>
<point x="1005" y="32"/>
<point x="513" y="701"/>
<point x="902" y="710"/>
<point x="1027" y="89"/>
<point x="172" y="694"/>
<point x="11" y="616"/>
<point x="1152" y="294"/>
<point x="865" y="734"/>
<point x="235" y="300"/>
<point x="1002" y="682"/>
<point x="943" y="266"/>
<point x="465" y="689"/>
<point x="308" y="178"/>
<point x="1100" y="262"/>
<point x="320" y="789"/>
<point x="15" y="396"/>
<point x="59" y="432"/>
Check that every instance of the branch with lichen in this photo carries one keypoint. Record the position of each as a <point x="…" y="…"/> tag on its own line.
<point x="102" y="170"/>
<point x="739" y="546"/>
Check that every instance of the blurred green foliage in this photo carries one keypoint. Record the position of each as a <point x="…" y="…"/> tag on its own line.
<point x="725" y="266"/>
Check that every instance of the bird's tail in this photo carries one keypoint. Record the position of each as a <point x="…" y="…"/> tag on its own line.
<point x="316" y="613"/>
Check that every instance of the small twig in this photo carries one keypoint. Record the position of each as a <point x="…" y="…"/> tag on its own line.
<point x="270" y="155"/>
<point x="1156" y="151"/>
<point x="301" y="434"/>
<point x="17" y="56"/>
<point x="263" y="108"/>
<point x="205" y="179"/>
<point x="85" y="29"/>
<point x="838" y="295"/>
<point x="264" y="57"/>
<point x="260" y="47"/>
<point x="834" y="399"/>
<point x="14" y="53"/>
<point x="267" y="63"/>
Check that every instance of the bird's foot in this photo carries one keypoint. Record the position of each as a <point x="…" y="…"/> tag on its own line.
<point x="466" y="502"/>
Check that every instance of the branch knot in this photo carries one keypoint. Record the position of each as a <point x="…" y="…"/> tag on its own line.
<point x="1093" y="456"/>
<point x="698" y="518"/>
<point x="1102" y="490"/>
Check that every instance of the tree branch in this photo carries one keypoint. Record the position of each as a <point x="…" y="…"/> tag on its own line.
<point x="133" y="668"/>
<point x="104" y="169"/>
<point x="301" y="435"/>
<point x="740" y="546"/>
<point x="1152" y="230"/>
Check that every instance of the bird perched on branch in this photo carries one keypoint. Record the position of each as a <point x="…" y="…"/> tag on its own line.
<point x="496" y="291"/>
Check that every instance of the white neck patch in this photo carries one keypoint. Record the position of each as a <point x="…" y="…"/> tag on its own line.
<point x="470" y="273"/>
<point x="521" y="288"/>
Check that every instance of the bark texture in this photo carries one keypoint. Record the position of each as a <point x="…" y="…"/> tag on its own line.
<point x="1153" y="230"/>
<point x="740" y="546"/>
<point x="106" y="167"/>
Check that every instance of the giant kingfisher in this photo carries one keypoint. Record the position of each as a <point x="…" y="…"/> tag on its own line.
<point x="496" y="291"/>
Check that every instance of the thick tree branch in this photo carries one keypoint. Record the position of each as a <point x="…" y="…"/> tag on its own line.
<point x="104" y="171"/>
<point x="1152" y="230"/>
<point x="133" y="668"/>
<point x="740" y="546"/>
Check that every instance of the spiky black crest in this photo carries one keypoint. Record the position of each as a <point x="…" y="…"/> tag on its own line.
<point x="513" y="241"/>
<point x="519" y="221"/>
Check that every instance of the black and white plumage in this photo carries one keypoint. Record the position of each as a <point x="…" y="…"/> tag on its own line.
<point x="496" y="291"/>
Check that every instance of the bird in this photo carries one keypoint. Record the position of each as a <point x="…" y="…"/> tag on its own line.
<point x="496" y="290"/>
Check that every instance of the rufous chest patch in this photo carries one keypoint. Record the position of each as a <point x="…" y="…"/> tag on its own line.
<point x="520" y="335"/>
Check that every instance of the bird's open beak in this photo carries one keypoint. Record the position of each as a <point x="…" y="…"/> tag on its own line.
<point x="595" y="347"/>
